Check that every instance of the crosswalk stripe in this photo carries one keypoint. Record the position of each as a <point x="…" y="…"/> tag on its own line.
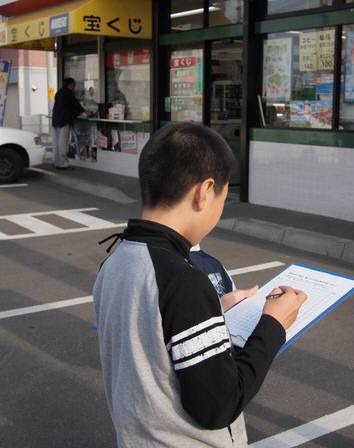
<point x="309" y="431"/>
<point x="62" y="232"/>
<point x="34" y="224"/>
<point x="49" y="212"/>
<point x="83" y="218"/>
<point x="36" y="227"/>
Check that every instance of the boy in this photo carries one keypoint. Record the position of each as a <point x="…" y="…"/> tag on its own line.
<point x="219" y="277"/>
<point x="169" y="376"/>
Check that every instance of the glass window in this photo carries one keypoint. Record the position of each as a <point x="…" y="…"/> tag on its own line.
<point x="84" y="69"/>
<point x="128" y="84"/>
<point x="224" y="12"/>
<point x="298" y="79"/>
<point x="346" y="117"/>
<point x="281" y="6"/>
<point x="187" y="14"/>
<point x="226" y="93"/>
<point x="186" y="86"/>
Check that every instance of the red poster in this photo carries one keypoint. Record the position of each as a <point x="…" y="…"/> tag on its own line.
<point x="184" y="62"/>
<point x="122" y="58"/>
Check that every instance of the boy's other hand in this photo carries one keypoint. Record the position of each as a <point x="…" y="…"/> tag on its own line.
<point x="286" y="307"/>
<point x="232" y="298"/>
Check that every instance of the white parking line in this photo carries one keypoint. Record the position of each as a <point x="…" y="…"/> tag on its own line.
<point x="80" y="300"/>
<point x="309" y="431"/>
<point x="256" y="267"/>
<point x="13" y="185"/>
<point x="38" y="227"/>
<point x="45" y="307"/>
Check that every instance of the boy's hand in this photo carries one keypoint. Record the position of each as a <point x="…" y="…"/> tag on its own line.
<point x="232" y="298"/>
<point x="286" y="307"/>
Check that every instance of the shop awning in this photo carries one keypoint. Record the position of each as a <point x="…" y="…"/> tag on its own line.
<point x="118" y="18"/>
<point x="17" y="7"/>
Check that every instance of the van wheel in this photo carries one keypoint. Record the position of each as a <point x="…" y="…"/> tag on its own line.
<point x="11" y="165"/>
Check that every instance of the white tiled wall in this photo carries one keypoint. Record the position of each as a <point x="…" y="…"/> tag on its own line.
<point x="310" y="179"/>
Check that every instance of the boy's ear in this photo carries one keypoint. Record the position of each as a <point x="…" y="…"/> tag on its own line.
<point x="202" y="193"/>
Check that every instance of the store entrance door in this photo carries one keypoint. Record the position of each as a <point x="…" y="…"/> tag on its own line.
<point x="226" y="94"/>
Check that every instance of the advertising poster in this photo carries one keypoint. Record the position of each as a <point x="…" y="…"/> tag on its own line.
<point x="325" y="50"/>
<point x="349" y="69"/>
<point x="311" y="114"/>
<point x="4" y="81"/>
<point x="308" y="51"/>
<point x="128" y="142"/>
<point x="186" y="87"/>
<point x="277" y="69"/>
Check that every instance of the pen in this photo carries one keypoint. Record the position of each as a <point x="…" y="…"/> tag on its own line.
<point x="274" y="296"/>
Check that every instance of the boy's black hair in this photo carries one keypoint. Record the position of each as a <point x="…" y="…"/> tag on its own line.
<point x="177" y="157"/>
<point x="68" y="82"/>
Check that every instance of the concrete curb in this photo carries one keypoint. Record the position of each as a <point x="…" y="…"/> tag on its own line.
<point x="316" y="243"/>
<point x="100" y="190"/>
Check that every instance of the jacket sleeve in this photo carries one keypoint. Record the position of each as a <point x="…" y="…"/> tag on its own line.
<point x="215" y="386"/>
<point x="76" y="108"/>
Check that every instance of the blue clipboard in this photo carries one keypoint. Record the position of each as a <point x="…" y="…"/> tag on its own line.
<point x="320" y="316"/>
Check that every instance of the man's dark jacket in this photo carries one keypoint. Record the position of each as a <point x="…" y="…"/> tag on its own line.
<point x="66" y="108"/>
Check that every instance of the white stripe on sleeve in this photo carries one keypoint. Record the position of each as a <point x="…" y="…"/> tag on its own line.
<point x="200" y="342"/>
<point x="192" y="330"/>
<point x="202" y="357"/>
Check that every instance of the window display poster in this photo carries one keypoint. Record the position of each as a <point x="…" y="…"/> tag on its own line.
<point x="311" y="114"/>
<point x="186" y="76"/>
<point x="308" y="51"/>
<point x="324" y="84"/>
<point x="128" y="142"/>
<point x="349" y="69"/>
<point x="4" y="81"/>
<point x="325" y="50"/>
<point x="277" y="69"/>
<point x="117" y="141"/>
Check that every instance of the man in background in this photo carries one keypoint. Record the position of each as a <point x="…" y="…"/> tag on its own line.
<point x="66" y="109"/>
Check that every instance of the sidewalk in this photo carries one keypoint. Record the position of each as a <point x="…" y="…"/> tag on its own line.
<point x="315" y="234"/>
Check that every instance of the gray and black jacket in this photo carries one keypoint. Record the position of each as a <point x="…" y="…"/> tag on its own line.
<point x="171" y="377"/>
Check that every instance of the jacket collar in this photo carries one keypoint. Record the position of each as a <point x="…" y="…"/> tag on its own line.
<point x="155" y="233"/>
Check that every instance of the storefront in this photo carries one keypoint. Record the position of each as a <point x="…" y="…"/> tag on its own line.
<point x="277" y="84"/>
<point x="106" y="47"/>
<point x="274" y="77"/>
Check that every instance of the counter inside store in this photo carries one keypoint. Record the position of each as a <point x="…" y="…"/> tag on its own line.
<point x="104" y="139"/>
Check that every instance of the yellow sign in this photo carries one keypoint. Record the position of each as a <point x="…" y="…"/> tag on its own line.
<point x="125" y="18"/>
<point x="51" y="93"/>
<point x="121" y="18"/>
<point x="27" y="31"/>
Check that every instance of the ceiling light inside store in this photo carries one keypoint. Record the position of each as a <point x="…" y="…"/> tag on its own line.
<point x="193" y="12"/>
